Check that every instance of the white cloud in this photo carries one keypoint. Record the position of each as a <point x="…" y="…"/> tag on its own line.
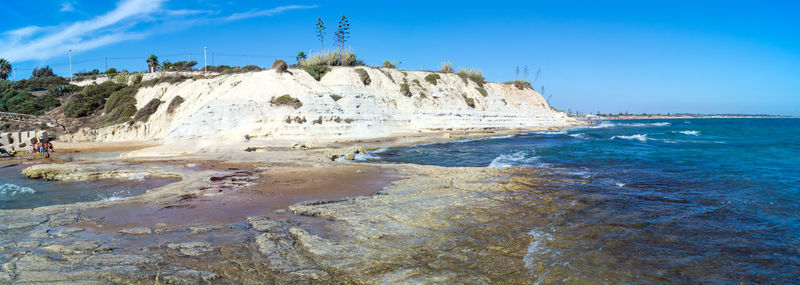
<point x="40" y="43"/>
<point x="268" y="12"/>
<point x="67" y="7"/>
<point x="130" y="20"/>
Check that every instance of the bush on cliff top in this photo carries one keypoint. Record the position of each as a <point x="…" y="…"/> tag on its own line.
<point x="316" y="71"/>
<point x="90" y="99"/>
<point x="119" y="107"/>
<point x="279" y="66"/>
<point x="286" y="100"/>
<point x="520" y="84"/>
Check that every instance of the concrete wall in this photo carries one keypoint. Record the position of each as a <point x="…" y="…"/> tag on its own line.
<point x="21" y="140"/>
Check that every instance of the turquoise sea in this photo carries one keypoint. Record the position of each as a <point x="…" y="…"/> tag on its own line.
<point x="652" y="201"/>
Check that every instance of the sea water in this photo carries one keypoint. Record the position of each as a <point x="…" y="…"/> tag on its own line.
<point x="675" y="201"/>
<point x="19" y="192"/>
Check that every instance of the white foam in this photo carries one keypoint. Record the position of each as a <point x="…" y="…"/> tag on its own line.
<point x="559" y="132"/>
<point x="366" y="156"/>
<point x="116" y="196"/>
<point x="535" y="248"/>
<point x="638" y="137"/>
<point x="579" y="135"/>
<point x="11" y="190"/>
<point x="506" y="160"/>
<point x="659" y="124"/>
<point x="619" y="184"/>
<point x="140" y="176"/>
<point x="380" y="150"/>
<point x="602" y="125"/>
<point x="690" y="133"/>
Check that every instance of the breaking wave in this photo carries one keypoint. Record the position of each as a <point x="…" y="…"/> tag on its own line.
<point x="638" y="137"/>
<point x="10" y="190"/>
<point x="506" y="160"/>
<point x="690" y="133"/>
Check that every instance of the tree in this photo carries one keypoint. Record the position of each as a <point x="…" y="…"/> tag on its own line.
<point x="321" y="33"/>
<point x="300" y="56"/>
<point x="5" y="68"/>
<point x="342" y="35"/>
<point x="111" y="70"/>
<point x="42" y="72"/>
<point x="517" y="72"/>
<point x="152" y="63"/>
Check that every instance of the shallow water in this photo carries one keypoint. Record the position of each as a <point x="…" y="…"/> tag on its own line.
<point x="699" y="200"/>
<point x="19" y="192"/>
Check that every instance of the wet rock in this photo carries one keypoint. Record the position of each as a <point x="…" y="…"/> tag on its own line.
<point x="192" y="248"/>
<point x="65" y="232"/>
<point x="75" y="247"/>
<point x="16" y="222"/>
<point x="309" y="276"/>
<point x="189" y="276"/>
<point x="281" y="254"/>
<point x="116" y="259"/>
<point x="36" y="263"/>
<point x="207" y="228"/>
<point x="280" y="211"/>
<point x="350" y="156"/>
<point x="29" y="243"/>
<point x="63" y="219"/>
<point x="136" y="231"/>
<point x="264" y="224"/>
<point x="39" y="233"/>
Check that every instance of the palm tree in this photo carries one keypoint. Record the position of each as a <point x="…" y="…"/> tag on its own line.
<point x="5" y="68"/>
<point x="300" y="56"/>
<point x="152" y="63"/>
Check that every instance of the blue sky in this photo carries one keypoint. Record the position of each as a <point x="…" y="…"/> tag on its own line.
<point x="614" y="56"/>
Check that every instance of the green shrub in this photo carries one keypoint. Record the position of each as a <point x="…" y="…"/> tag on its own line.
<point x="137" y="78"/>
<point x="178" y="66"/>
<point x="62" y="90"/>
<point x="336" y="97"/>
<point x="90" y="99"/>
<point x="144" y="114"/>
<point x="470" y="102"/>
<point x="364" y="76"/>
<point x="174" y="104"/>
<point x="46" y="102"/>
<point x="387" y="64"/>
<point x="431" y="78"/>
<point x="287" y="101"/>
<point x="520" y="84"/>
<point x="482" y="91"/>
<point x="279" y="66"/>
<point x="475" y="76"/>
<point x="4" y="84"/>
<point x="119" y="107"/>
<point x="252" y="67"/>
<point x="170" y="79"/>
<point x="415" y="81"/>
<point x="48" y="82"/>
<point x="121" y="78"/>
<point x="316" y="71"/>
<point x="405" y="89"/>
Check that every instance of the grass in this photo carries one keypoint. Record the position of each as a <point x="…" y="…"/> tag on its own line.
<point x="470" y="102"/>
<point x="144" y="114"/>
<point x="482" y="91"/>
<point x="331" y="58"/>
<point x="446" y="67"/>
<point x="387" y="64"/>
<point x="174" y="104"/>
<point x="364" y="76"/>
<point x="316" y="71"/>
<point x="286" y="100"/>
<point x="279" y="66"/>
<point x="520" y="84"/>
<point x="432" y="78"/>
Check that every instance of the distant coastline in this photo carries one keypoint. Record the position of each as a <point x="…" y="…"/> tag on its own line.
<point x="681" y="116"/>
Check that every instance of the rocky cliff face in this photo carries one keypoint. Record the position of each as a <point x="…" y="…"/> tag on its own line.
<point x="340" y="106"/>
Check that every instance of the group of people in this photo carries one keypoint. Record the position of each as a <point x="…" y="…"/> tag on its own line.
<point x="43" y="148"/>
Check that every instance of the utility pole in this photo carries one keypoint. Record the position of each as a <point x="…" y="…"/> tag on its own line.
<point x="15" y="73"/>
<point x="204" y="59"/>
<point x="190" y="56"/>
<point x="106" y="63"/>
<point x="212" y="58"/>
<point x="70" y="65"/>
